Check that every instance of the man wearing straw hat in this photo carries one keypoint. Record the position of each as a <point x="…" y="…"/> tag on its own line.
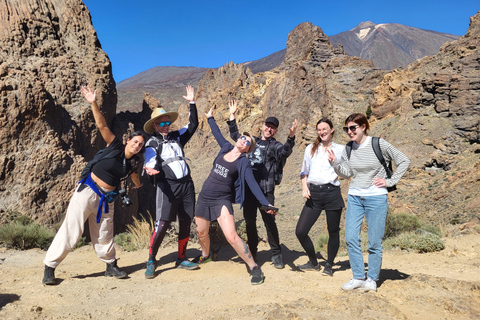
<point x="175" y="194"/>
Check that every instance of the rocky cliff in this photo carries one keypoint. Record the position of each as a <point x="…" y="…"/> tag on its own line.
<point x="429" y="110"/>
<point x="49" y="50"/>
<point x="433" y="108"/>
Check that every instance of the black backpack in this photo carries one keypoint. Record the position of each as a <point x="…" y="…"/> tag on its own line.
<point x="378" y="153"/>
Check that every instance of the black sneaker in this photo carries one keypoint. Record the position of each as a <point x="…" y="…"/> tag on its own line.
<point x="327" y="270"/>
<point x="49" y="276"/>
<point x="309" y="267"/>
<point x="114" y="271"/>
<point x="278" y="261"/>
<point x="257" y="275"/>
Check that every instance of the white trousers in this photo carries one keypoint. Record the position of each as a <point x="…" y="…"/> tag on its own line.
<point x="83" y="206"/>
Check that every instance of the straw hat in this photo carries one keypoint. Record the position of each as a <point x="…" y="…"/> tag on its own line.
<point x="157" y="113"/>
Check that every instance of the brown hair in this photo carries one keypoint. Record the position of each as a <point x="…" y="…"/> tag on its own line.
<point x="360" y="119"/>
<point x="318" y="140"/>
<point x="252" y="141"/>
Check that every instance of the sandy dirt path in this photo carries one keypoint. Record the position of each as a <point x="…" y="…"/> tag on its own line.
<point x="442" y="285"/>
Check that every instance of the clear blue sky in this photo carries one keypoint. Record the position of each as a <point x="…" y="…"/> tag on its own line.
<point x="139" y="35"/>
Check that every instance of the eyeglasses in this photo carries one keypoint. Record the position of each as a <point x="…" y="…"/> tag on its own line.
<point x="246" y="141"/>
<point x="163" y="124"/>
<point x="270" y="126"/>
<point x="351" y="128"/>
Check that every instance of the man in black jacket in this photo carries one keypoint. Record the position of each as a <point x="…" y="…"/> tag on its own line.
<point x="267" y="160"/>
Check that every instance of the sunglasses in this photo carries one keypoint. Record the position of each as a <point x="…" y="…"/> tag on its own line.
<point x="246" y="141"/>
<point x="163" y="124"/>
<point x="351" y="128"/>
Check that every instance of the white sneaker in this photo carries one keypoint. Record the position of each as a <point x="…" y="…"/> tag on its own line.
<point x="353" y="284"/>
<point x="370" y="285"/>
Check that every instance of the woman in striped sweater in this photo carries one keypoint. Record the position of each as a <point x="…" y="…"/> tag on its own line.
<point x="367" y="197"/>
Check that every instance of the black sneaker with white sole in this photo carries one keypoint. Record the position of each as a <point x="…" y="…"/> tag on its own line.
<point x="257" y="275"/>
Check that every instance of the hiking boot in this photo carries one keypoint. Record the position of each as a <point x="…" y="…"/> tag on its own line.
<point x="257" y="275"/>
<point x="327" y="270"/>
<point x="185" y="264"/>
<point x="201" y="259"/>
<point x="370" y="285"/>
<point x="278" y="261"/>
<point x="353" y="284"/>
<point x="309" y="266"/>
<point x="150" y="272"/>
<point x="114" y="271"/>
<point x="48" y="276"/>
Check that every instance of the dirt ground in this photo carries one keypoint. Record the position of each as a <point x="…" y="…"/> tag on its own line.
<point x="441" y="285"/>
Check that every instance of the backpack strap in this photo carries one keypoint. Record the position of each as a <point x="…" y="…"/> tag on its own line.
<point x="348" y="149"/>
<point x="378" y="153"/>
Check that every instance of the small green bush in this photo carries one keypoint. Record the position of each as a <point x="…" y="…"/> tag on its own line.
<point x="125" y="241"/>
<point x="368" y="113"/>
<point x="399" y="223"/>
<point x="321" y="242"/>
<point x="25" y="235"/>
<point x="421" y="241"/>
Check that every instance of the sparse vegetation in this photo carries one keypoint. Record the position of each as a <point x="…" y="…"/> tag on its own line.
<point x="137" y="236"/>
<point x="22" y="233"/>
<point x="421" y="241"/>
<point x="403" y="231"/>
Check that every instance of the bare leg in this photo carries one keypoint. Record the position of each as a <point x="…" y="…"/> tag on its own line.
<point x="227" y="223"/>
<point x="203" y="226"/>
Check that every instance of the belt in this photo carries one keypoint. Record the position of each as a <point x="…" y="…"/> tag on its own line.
<point x="323" y="186"/>
<point x="89" y="182"/>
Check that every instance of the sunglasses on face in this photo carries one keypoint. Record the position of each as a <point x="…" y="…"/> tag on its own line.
<point x="351" y="128"/>
<point x="246" y="141"/>
<point x="163" y="124"/>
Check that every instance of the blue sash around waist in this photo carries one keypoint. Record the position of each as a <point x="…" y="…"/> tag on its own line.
<point x="104" y="198"/>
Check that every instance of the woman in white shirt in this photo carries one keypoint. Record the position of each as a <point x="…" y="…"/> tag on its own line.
<point x="367" y="197"/>
<point x="321" y="188"/>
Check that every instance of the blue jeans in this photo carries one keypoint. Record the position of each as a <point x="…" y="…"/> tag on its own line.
<point x="375" y="209"/>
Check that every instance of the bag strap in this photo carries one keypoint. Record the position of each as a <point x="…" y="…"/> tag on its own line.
<point x="378" y="153"/>
<point x="348" y="149"/>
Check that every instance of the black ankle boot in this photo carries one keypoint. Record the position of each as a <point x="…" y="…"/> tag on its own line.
<point x="114" y="271"/>
<point x="49" y="276"/>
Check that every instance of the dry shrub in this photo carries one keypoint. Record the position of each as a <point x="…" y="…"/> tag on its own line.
<point x="138" y="234"/>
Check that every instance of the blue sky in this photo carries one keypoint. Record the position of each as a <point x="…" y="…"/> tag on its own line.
<point x="139" y="35"/>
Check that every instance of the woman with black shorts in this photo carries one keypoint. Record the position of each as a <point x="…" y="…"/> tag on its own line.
<point x="225" y="185"/>
<point x="321" y="188"/>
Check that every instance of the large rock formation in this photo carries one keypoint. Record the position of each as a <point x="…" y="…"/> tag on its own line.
<point x="49" y="50"/>
<point x="433" y="107"/>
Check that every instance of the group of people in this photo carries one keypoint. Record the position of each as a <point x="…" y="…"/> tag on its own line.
<point x="245" y="172"/>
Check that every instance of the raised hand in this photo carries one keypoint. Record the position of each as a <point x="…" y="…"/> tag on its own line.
<point x="88" y="94"/>
<point x="190" y="93"/>
<point x="331" y="155"/>
<point x="293" y="128"/>
<point x="210" y="113"/>
<point x="233" y="106"/>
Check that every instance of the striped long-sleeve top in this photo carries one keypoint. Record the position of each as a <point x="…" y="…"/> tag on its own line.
<point x="364" y="166"/>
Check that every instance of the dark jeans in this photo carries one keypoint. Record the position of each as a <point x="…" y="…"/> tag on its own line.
<point x="250" y="206"/>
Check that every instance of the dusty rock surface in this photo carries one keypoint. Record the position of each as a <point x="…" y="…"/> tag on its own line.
<point x="442" y="285"/>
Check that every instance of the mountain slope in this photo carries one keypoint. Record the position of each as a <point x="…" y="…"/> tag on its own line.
<point x="390" y="45"/>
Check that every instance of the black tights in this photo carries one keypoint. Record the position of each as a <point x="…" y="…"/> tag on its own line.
<point x="307" y="219"/>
